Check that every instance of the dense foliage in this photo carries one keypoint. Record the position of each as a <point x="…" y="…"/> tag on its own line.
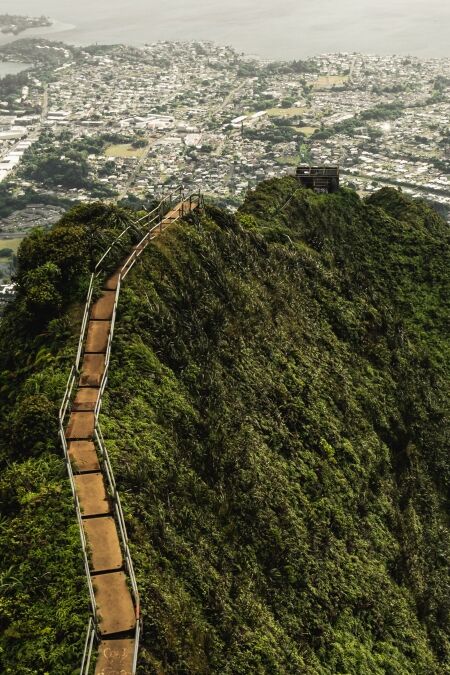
<point x="43" y="602"/>
<point x="65" y="167"/>
<point x="15" y="23"/>
<point x="10" y="201"/>
<point x="276" y="415"/>
<point x="274" y="134"/>
<point x="11" y="86"/>
<point x="40" y="51"/>
<point x="389" y="111"/>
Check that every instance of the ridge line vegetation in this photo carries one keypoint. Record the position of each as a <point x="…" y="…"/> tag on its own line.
<point x="277" y="419"/>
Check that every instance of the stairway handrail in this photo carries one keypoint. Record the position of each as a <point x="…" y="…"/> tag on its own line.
<point x="155" y="210"/>
<point x="82" y="533"/>
<point x="88" y="647"/>
<point x="153" y="216"/>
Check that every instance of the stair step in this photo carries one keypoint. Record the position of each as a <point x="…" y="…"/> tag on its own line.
<point x="112" y="283"/>
<point x="115" y="656"/>
<point x="91" y="491"/>
<point x="104" y="545"/>
<point x="97" y="336"/>
<point x="83" y="456"/>
<point x="81" y="426"/>
<point x="102" y="310"/>
<point x="92" y="370"/>
<point x="114" y="604"/>
<point x="86" y="399"/>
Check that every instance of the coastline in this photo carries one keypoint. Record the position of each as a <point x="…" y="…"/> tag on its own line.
<point x="248" y="28"/>
<point x="55" y="28"/>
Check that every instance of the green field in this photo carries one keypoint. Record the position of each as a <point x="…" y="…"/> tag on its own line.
<point x="330" y="81"/>
<point x="307" y="131"/>
<point x="124" y="150"/>
<point x="292" y="160"/>
<point x="10" y="243"/>
<point x="285" y="112"/>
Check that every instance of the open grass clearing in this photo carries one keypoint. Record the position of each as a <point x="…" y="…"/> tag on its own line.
<point x="10" y="243"/>
<point x="306" y="131"/>
<point x="291" y="160"/>
<point x="124" y="151"/>
<point x="286" y="112"/>
<point x="329" y="81"/>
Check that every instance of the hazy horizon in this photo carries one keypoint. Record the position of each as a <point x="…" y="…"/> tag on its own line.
<point x="285" y="29"/>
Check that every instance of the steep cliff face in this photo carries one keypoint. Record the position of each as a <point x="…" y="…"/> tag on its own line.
<point x="276" y="416"/>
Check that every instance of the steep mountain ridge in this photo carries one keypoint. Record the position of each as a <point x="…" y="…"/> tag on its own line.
<point x="276" y="415"/>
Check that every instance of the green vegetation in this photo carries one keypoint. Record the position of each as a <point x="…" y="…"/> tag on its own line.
<point x="40" y="52"/>
<point x="306" y="131"/>
<point x="286" y="113"/>
<point x="14" y="23"/>
<point x="289" y="160"/>
<point x="11" y="86"/>
<point x="441" y="83"/>
<point x="140" y="143"/>
<point x="276" y="416"/>
<point x="248" y="69"/>
<point x="388" y="111"/>
<point x="44" y="609"/>
<point x="289" y="67"/>
<point x="93" y="145"/>
<point x="8" y="247"/>
<point x="52" y="170"/>
<point x="330" y="81"/>
<point x="44" y="56"/>
<point x="274" y="134"/>
<point x="61" y="162"/>
<point x="127" y="150"/>
<point x="10" y="201"/>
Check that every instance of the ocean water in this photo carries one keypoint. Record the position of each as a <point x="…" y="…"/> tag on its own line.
<point x="273" y="29"/>
<point x="12" y="68"/>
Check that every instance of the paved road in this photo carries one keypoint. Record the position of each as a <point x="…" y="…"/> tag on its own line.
<point x="228" y="99"/>
<point x="44" y="112"/>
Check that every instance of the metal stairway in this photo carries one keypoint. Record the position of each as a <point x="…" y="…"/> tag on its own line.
<point x="116" y="623"/>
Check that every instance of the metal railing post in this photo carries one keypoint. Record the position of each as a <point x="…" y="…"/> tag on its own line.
<point x="88" y="646"/>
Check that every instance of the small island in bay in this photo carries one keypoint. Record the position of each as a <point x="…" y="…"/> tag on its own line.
<point x="14" y="24"/>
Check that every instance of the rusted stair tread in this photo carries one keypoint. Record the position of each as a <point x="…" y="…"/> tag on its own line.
<point x="114" y="604"/>
<point x="104" y="545"/>
<point x="91" y="492"/>
<point x="83" y="456"/>
<point x="92" y="370"/>
<point x="103" y="308"/>
<point x="112" y="283"/>
<point x="86" y="399"/>
<point x="81" y="426"/>
<point x="115" y="656"/>
<point x="97" y="337"/>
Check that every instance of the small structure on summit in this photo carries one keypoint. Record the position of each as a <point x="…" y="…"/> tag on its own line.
<point x="321" y="179"/>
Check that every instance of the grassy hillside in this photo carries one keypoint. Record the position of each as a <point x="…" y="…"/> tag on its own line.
<point x="277" y="418"/>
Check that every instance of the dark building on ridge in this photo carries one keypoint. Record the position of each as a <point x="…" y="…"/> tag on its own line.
<point x="321" y="179"/>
